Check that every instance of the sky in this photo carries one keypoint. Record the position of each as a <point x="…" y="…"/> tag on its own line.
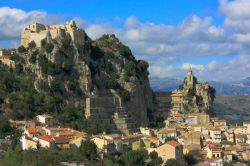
<point x="213" y="36"/>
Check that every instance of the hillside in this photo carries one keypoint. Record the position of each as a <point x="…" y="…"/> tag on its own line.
<point x="233" y="108"/>
<point x="65" y="73"/>
<point x="170" y="84"/>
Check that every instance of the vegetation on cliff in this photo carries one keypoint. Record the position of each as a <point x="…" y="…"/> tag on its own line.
<point x="57" y="77"/>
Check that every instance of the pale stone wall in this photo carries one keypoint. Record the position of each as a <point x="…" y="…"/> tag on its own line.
<point x="7" y="62"/>
<point x="36" y="32"/>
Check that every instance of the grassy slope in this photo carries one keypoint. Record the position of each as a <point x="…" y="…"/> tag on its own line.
<point x="233" y="108"/>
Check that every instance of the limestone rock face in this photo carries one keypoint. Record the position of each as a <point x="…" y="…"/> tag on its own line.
<point x="102" y="76"/>
<point x="197" y="97"/>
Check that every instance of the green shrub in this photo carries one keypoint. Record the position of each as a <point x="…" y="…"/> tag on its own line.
<point x="112" y="84"/>
<point x="48" y="67"/>
<point x="96" y="52"/>
<point x="49" y="47"/>
<point x="130" y="69"/>
<point x="126" y="52"/>
<point x="66" y="42"/>
<point x="72" y="84"/>
<point x="21" y="49"/>
<point x="142" y="68"/>
<point x="17" y="58"/>
<point x="67" y="67"/>
<point x="33" y="56"/>
<point x="55" y="86"/>
<point x="124" y="95"/>
<point x="97" y="83"/>
<point x="94" y="68"/>
<point x="53" y="69"/>
<point x="32" y="45"/>
<point x="43" y="42"/>
<point x="18" y="68"/>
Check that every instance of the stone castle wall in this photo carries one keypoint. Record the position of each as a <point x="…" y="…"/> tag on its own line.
<point x="37" y="32"/>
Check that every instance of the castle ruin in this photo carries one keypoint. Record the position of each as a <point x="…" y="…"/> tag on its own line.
<point x="37" y="32"/>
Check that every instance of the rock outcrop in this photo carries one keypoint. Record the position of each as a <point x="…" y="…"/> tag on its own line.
<point x="102" y="75"/>
<point x="197" y="97"/>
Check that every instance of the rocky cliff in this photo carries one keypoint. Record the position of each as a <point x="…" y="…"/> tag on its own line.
<point x="102" y="76"/>
<point x="197" y="97"/>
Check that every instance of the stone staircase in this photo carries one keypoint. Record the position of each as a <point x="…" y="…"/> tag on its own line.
<point x="124" y="123"/>
<point x="108" y="110"/>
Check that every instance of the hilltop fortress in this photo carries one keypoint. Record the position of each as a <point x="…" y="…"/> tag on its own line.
<point x="37" y="32"/>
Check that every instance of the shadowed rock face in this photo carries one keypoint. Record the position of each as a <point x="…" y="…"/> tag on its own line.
<point x="197" y="97"/>
<point x="102" y="76"/>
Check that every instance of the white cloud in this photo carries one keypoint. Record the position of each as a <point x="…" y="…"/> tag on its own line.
<point x="162" y="44"/>
<point x="186" y="66"/>
<point x="13" y="20"/>
<point x="237" y="14"/>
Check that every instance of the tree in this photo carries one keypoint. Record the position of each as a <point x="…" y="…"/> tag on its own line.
<point x="5" y="127"/>
<point x="33" y="57"/>
<point x="72" y="84"/>
<point x="112" y="83"/>
<point x="135" y="157"/>
<point x="193" y="157"/>
<point x="130" y="69"/>
<point x="32" y="45"/>
<point x="55" y="86"/>
<point x="155" y="159"/>
<point x="110" y="152"/>
<point x="172" y="162"/>
<point x="21" y="49"/>
<point x="142" y="68"/>
<point x="49" y="47"/>
<point x="88" y="149"/>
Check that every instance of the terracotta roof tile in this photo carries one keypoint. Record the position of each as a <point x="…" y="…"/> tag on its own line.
<point x="46" y="138"/>
<point x="61" y="140"/>
<point x="32" y="130"/>
<point x="173" y="143"/>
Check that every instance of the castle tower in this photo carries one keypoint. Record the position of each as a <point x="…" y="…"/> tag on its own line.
<point x="190" y="80"/>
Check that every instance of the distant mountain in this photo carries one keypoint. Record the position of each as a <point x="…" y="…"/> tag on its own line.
<point x="244" y="83"/>
<point x="164" y="84"/>
<point x="170" y="84"/>
<point x="233" y="108"/>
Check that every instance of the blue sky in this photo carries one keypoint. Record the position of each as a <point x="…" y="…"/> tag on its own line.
<point x="212" y="36"/>
<point x="158" y="11"/>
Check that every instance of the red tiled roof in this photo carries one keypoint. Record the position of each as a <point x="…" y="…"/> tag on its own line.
<point x="173" y="143"/>
<point x="61" y="140"/>
<point x="153" y="140"/>
<point x="32" y="130"/>
<point x="46" y="138"/>
<point x="214" y="159"/>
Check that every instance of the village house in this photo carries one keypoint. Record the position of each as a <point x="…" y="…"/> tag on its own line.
<point x="228" y="136"/>
<point x="28" y="143"/>
<point x="32" y="132"/>
<point x="47" y="141"/>
<point x="170" y="150"/>
<point x="45" y="120"/>
<point x="213" y="151"/>
<point x="22" y="124"/>
<point x="240" y="129"/>
<point x="214" y="161"/>
<point x="215" y="134"/>
<point x="103" y="140"/>
<point x="166" y="133"/>
<point x="240" y="138"/>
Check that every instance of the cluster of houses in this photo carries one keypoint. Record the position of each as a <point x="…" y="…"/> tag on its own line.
<point x="211" y="137"/>
<point x="41" y="133"/>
